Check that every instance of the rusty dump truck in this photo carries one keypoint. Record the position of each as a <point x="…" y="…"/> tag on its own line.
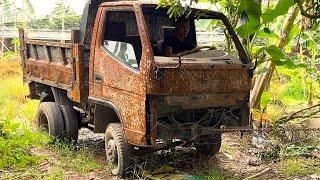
<point x="112" y="77"/>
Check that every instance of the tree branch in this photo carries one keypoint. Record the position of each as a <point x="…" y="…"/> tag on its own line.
<point x="304" y="13"/>
<point x="295" y="114"/>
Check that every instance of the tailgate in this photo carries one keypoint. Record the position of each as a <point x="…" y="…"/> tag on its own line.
<point x="52" y="63"/>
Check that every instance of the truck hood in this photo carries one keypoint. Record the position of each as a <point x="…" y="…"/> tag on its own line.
<point x="202" y="57"/>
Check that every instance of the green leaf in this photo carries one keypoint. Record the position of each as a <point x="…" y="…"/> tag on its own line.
<point x="281" y="8"/>
<point x="250" y="11"/>
<point x="243" y="18"/>
<point x="288" y="63"/>
<point x="251" y="7"/>
<point x="275" y="53"/>
<point x="265" y="99"/>
<point x="294" y="32"/>
<point x="278" y="57"/>
<point x="266" y="33"/>
<point x="252" y="26"/>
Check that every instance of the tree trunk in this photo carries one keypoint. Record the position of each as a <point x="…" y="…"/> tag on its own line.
<point x="264" y="79"/>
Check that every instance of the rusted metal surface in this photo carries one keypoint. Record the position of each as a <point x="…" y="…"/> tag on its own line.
<point x="140" y="98"/>
<point x="202" y="101"/>
<point x="200" y="81"/>
<point x="121" y="85"/>
<point x="77" y="92"/>
<point x="56" y="73"/>
<point x="54" y="64"/>
<point x="22" y="47"/>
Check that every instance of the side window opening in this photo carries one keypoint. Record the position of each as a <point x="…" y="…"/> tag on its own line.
<point x="121" y="38"/>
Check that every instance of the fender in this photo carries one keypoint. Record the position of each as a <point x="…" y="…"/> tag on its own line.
<point x="102" y="108"/>
<point x="107" y="104"/>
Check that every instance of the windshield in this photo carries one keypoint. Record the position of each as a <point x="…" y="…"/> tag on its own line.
<point x="198" y="37"/>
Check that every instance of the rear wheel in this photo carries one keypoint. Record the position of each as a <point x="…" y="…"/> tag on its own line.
<point x="117" y="150"/>
<point x="49" y="119"/>
<point x="70" y="122"/>
<point x="210" y="145"/>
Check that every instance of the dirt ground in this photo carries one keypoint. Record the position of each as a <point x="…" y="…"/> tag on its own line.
<point x="237" y="159"/>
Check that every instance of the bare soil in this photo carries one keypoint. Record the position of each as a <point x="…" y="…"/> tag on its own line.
<point x="237" y="159"/>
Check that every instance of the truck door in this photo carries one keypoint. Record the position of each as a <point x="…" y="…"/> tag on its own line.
<point x="117" y="73"/>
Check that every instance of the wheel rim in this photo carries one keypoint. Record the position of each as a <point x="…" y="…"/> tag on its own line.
<point x="111" y="151"/>
<point x="43" y="123"/>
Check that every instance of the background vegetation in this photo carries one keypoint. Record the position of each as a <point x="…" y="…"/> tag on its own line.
<point x="24" y="152"/>
<point x="61" y="18"/>
<point x="285" y="45"/>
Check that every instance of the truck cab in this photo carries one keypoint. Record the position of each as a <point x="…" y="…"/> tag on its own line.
<point x="114" y="78"/>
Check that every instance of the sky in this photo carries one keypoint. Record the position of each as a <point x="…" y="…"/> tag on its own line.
<point x="44" y="7"/>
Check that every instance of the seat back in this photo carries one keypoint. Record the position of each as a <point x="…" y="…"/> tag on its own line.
<point x="168" y="32"/>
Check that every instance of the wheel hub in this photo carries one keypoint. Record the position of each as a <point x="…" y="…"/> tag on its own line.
<point x="112" y="154"/>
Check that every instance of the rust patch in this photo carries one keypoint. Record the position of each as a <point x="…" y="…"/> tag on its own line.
<point x="121" y="85"/>
<point x="200" y="81"/>
<point x="45" y="71"/>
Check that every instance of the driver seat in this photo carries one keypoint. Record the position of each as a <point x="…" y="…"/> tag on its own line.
<point x="167" y="32"/>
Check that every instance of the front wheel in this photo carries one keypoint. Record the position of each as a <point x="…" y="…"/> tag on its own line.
<point x="117" y="150"/>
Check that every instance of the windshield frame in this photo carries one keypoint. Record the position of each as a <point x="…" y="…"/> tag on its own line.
<point x="208" y="14"/>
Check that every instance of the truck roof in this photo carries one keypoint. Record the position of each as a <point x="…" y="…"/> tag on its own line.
<point x="126" y="2"/>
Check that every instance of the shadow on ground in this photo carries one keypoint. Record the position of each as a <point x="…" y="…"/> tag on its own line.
<point x="177" y="163"/>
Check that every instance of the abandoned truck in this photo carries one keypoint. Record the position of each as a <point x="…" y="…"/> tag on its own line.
<point x="113" y="78"/>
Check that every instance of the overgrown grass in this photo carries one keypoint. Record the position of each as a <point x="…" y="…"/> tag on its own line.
<point x="299" y="167"/>
<point x="16" y="142"/>
<point x="293" y="91"/>
<point x="217" y="174"/>
<point x="78" y="159"/>
<point x="18" y="136"/>
<point x="288" y="92"/>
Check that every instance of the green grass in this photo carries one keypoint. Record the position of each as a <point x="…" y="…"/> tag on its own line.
<point x="288" y="92"/>
<point x="217" y="174"/>
<point x="78" y="159"/>
<point x="293" y="91"/>
<point x="18" y="135"/>
<point x="16" y="142"/>
<point x="300" y="167"/>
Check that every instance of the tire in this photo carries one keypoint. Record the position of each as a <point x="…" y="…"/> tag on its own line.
<point x="211" y="146"/>
<point x="49" y="119"/>
<point x="70" y="122"/>
<point x="117" y="150"/>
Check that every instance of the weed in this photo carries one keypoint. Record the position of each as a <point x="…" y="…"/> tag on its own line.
<point x="17" y="135"/>
<point x="299" y="167"/>
<point x="227" y="149"/>
<point x="16" y="142"/>
<point x="78" y="159"/>
<point x="56" y="173"/>
<point x="217" y="174"/>
<point x="10" y="67"/>
<point x="293" y="91"/>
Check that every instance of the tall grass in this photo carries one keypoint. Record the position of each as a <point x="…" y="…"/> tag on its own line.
<point x="17" y="135"/>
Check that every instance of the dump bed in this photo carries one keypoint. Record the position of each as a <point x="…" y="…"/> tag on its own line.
<point x="54" y="64"/>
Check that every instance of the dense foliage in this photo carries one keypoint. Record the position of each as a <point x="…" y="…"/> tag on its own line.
<point x="274" y="35"/>
<point x="62" y="16"/>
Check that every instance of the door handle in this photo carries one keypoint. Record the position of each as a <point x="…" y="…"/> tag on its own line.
<point x="98" y="78"/>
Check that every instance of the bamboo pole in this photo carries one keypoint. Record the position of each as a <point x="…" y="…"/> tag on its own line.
<point x="264" y="79"/>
